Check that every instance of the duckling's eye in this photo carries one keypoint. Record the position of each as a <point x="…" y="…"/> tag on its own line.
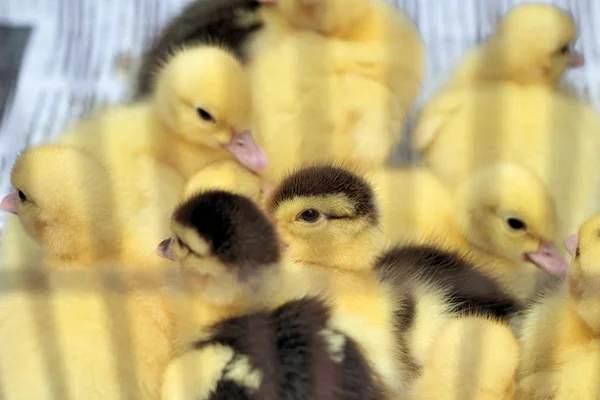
<point x="564" y="49"/>
<point x="309" y="215"/>
<point x="516" y="224"/>
<point x="22" y="196"/>
<point x="205" y="115"/>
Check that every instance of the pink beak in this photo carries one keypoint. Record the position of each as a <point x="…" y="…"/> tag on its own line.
<point x="548" y="259"/>
<point x="9" y="203"/>
<point x="571" y="243"/>
<point x="248" y="153"/>
<point x="576" y="60"/>
<point x="165" y="249"/>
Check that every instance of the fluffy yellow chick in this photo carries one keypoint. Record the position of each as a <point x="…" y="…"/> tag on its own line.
<point x="560" y="334"/>
<point x="229" y="256"/>
<point x="323" y="54"/>
<point x="506" y="215"/>
<point x="532" y="44"/>
<point x="552" y="135"/>
<point x="82" y="333"/>
<point x="200" y="113"/>
<point x="63" y="201"/>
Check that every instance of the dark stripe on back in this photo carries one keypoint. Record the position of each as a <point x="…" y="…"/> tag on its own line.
<point x="288" y="348"/>
<point x="470" y="291"/>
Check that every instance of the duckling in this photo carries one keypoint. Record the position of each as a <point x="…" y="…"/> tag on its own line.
<point x="367" y="47"/>
<point x="509" y="219"/>
<point x="200" y="114"/>
<point x="229" y="256"/>
<point x="328" y="217"/>
<point x="564" y="364"/>
<point x="532" y="44"/>
<point x="62" y="201"/>
<point x="83" y="333"/>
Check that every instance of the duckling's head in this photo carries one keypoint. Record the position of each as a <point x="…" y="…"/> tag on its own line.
<point x="584" y="246"/>
<point x="63" y="200"/>
<point x="203" y="95"/>
<point x="328" y="217"/>
<point x="225" y="243"/>
<point x="584" y="276"/>
<point x="536" y="42"/>
<point x="505" y="210"/>
<point x="324" y="16"/>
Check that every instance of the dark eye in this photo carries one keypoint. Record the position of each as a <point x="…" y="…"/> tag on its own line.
<point x="22" y="196"/>
<point x="309" y="215"/>
<point x="205" y="115"/>
<point x="577" y="252"/>
<point x="180" y="243"/>
<point x="564" y="49"/>
<point x="516" y="224"/>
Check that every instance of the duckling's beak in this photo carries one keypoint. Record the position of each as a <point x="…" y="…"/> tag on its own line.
<point x="549" y="259"/>
<point x="248" y="153"/>
<point x="571" y="243"/>
<point x="9" y="203"/>
<point x="165" y="249"/>
<point x="576" y="59"/>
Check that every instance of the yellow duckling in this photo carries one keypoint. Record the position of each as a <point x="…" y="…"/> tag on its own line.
<point x="63" y="210"/>
<point x="362" y="46"/>
<point x="532" y="44"/>
<point x="233" y="339"/>
<point x="560" y="333"/>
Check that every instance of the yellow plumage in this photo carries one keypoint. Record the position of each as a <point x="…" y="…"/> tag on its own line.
<point x="83" y="333"/>
<point x="333" y="80"/>
<point x="559" y="335"/>
<point x="552" y="135"/>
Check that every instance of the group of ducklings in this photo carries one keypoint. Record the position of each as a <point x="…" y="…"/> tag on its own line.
<point x="254" y="157"/>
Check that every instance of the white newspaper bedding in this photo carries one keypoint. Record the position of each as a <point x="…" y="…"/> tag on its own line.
<point x="82" y="53"/>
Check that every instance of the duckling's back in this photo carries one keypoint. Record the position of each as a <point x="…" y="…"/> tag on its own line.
<point x="293" y="352"/>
